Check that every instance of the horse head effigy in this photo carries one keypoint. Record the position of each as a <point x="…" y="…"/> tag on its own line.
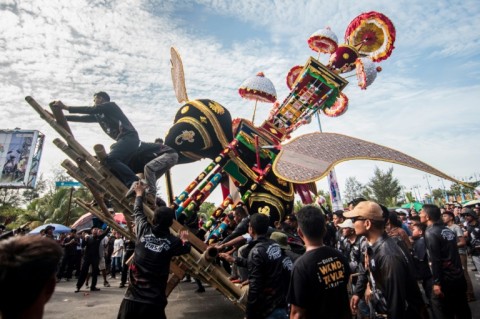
<point x="201" y="128"/>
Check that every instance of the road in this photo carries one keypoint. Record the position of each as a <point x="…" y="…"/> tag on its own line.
<point x="183" y="302"/>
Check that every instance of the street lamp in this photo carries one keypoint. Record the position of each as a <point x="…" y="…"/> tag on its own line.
<point x="418" y="196"/>
<point x="428" y="184"/>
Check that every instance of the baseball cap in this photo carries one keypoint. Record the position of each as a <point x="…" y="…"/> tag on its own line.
<point x="366" y="209"/>
<point x="346" y="224"/>
<point x="401" y="211"/>
<point x="470" y="212"/>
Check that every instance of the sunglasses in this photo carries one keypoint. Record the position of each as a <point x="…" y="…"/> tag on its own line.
<point x="354" y="219"/>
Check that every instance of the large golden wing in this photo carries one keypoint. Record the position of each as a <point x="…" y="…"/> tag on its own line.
<point x="178" y="77"/>
<point x="310" y="157"/>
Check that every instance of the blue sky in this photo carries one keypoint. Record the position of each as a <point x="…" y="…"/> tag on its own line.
<point x="423" y="103"/>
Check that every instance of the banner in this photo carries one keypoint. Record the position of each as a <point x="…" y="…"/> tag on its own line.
<point x="334" y="191"/>
<point x="20" y="152"/>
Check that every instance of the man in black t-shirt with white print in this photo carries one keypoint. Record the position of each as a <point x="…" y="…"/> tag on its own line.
<point x="320" y="276"/>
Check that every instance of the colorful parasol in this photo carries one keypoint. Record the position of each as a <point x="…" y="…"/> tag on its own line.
<point x="366" y="72"/>
<point x="323" y="41"/>
<point x="338" y="108"/>
<point x="258" y="88"/>
<point x="293" y="74"/>
<point x="372" y="34"/>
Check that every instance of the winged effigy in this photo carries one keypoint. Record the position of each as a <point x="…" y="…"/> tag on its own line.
<point x="258" y="166"/>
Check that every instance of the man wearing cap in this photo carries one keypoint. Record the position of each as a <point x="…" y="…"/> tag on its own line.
<point x="387" y="269"/>
<point x="318" y="286"/>
<point x="49" y="232"/>
<point x="449" y="298"/>
<point x="282" y="241"/>
<point x="352" y="245"/>
<point x="448" y="218"/>
<point x="268" y="272"/>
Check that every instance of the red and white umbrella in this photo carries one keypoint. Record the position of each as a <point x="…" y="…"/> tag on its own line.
<point x="258" y="88"/>
<point x="366" y="72"/>
<point x="338" y="108"/>
<point x="323" y="41"/>
<point x="293" y="75"/>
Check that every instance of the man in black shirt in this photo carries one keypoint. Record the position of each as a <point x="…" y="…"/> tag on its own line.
<point x="68" y="261"/>
<point x="387" y="267"/>
<point x="449" y="298"/>
<point x="318" y="286"/>
<point x="154" y="249"/>
<point x="91" y="258"/>
<point x="114" y="122"/>
<point x="268" y="272"/>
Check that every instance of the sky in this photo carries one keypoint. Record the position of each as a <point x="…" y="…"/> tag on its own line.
<point x="423" y="103"/>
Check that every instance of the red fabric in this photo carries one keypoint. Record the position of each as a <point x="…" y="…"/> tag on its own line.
<point x="303" y="190"/>
<point x="225" y="189"/>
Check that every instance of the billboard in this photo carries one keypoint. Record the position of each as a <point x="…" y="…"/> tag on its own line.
<point x="20" y="152"/>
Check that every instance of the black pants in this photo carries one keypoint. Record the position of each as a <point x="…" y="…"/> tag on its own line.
<point x="67" y="266"/>
<point x="134" y="310"/>
<point x="84" y="272"/>
<point x="120" y="155"/>
<point x="454" y="304"/>
<point x="77" y="262"/>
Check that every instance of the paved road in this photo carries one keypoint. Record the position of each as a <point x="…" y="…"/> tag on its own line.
<point x="183" y="303"/>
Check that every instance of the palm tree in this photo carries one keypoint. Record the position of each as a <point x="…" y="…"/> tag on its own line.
<point x="54" y="206"/>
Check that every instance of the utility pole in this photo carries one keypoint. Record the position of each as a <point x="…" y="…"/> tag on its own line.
<point x="67" y="221"/>
<point x="444" y="190"/>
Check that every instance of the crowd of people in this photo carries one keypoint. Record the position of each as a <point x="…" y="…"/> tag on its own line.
<point x="368" y="261"/>
<point x="365" y="261"/>
<point x="371" y="261"/>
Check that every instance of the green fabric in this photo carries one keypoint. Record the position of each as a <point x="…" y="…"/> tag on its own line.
<point x="234" y="171"/>
<point x="418" y="206"/>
